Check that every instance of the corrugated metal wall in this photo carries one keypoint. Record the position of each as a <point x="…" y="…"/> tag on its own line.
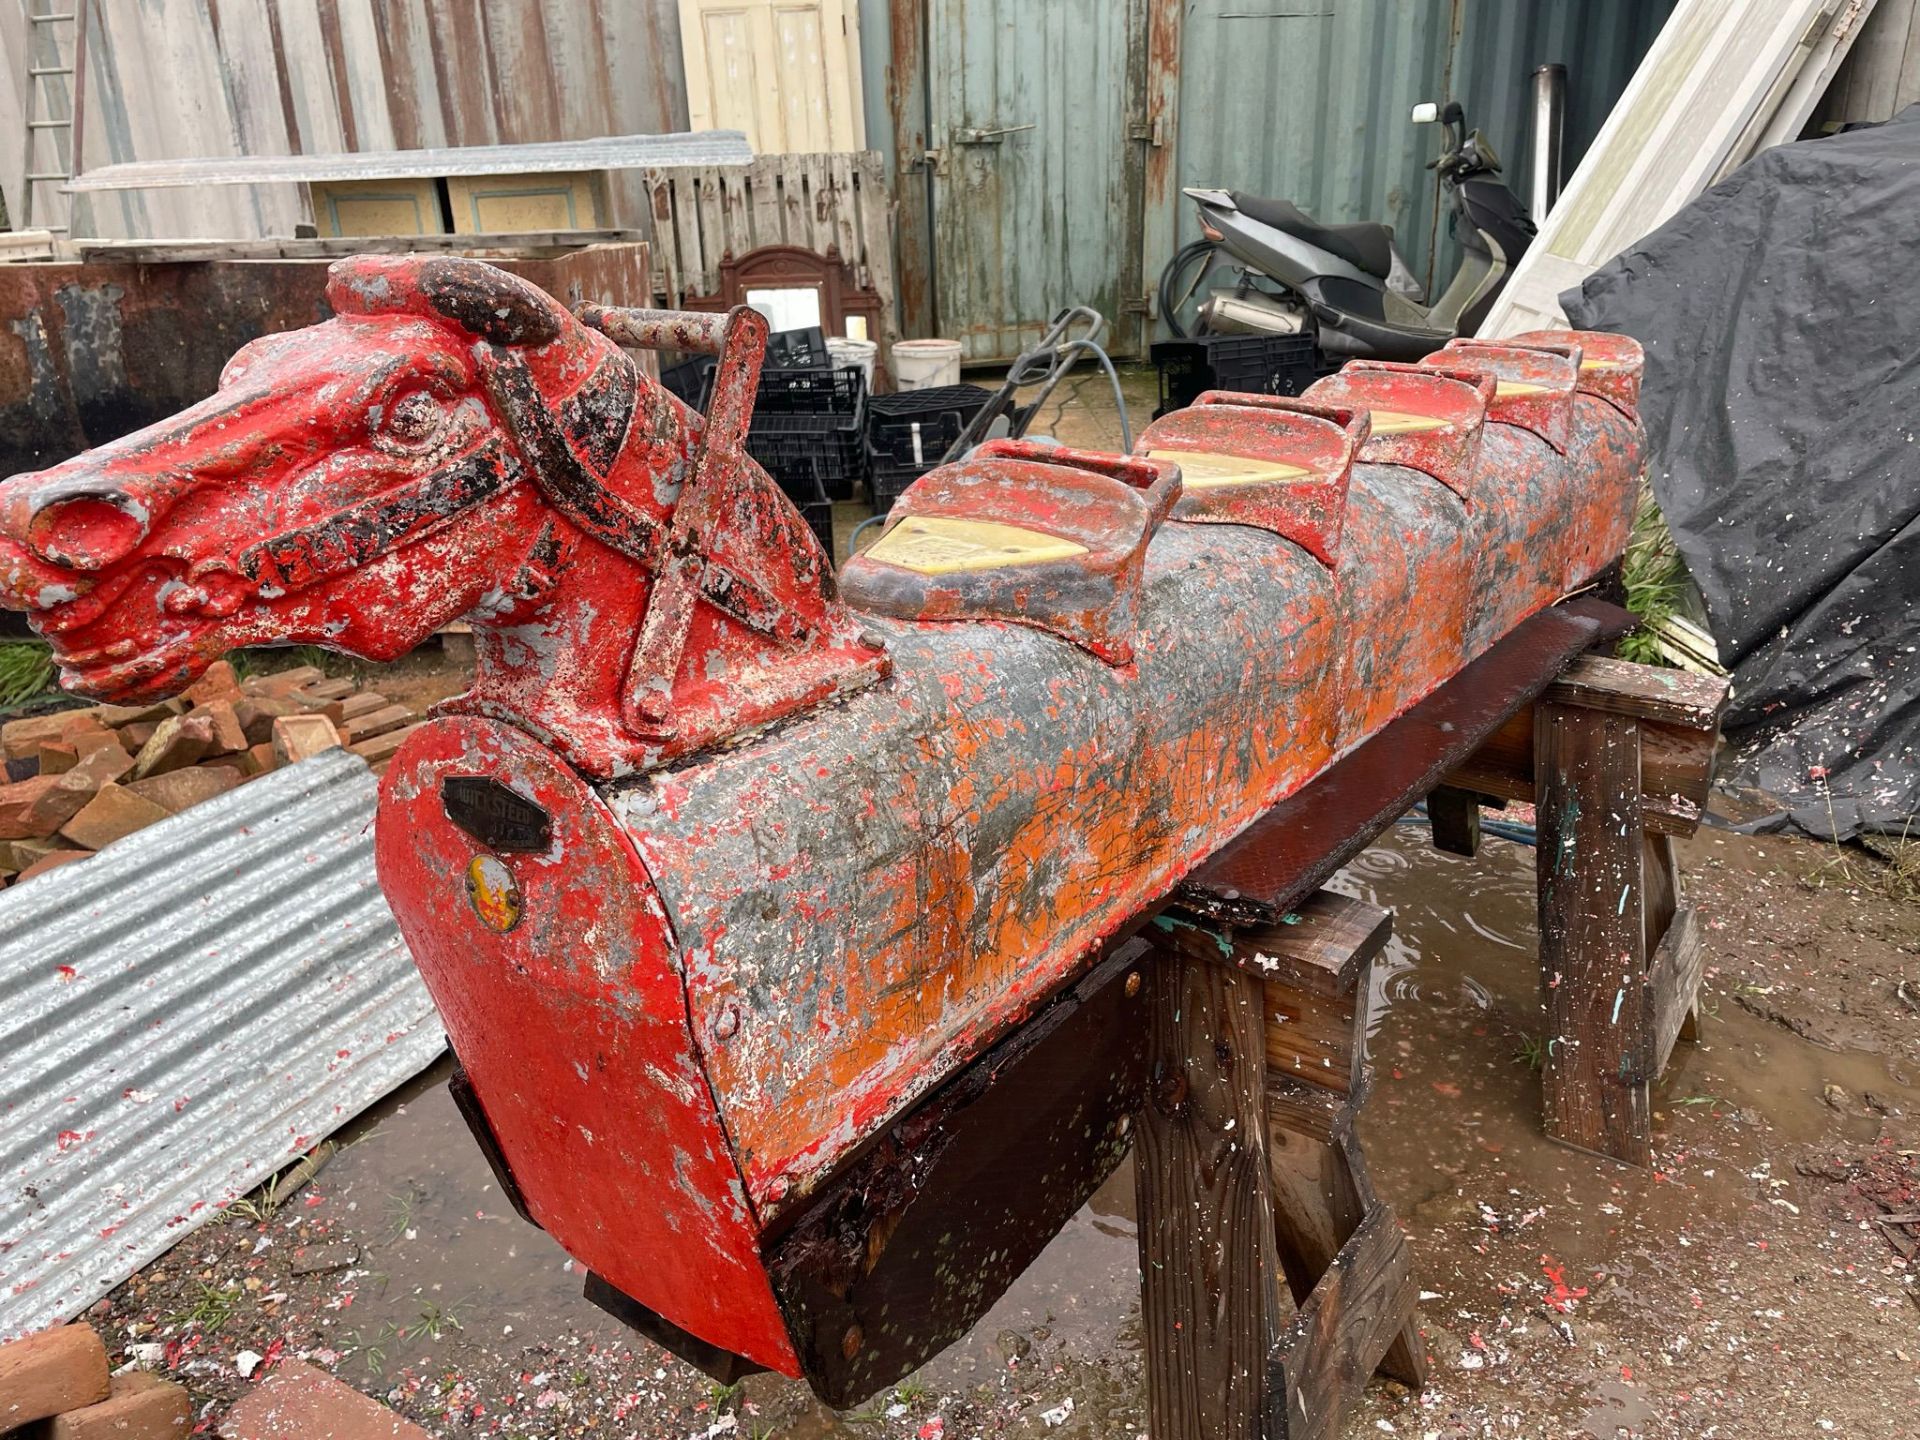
<point x="1309" y="99"/>
<point x="176" y="78"/>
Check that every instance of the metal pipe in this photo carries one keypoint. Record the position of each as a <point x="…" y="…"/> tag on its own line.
<point x="1549" y="137"/>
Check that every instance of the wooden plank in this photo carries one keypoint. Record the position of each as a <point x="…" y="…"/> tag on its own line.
<point x="712" y="227"/>
<point x="1322" y="945"/>
<point x="1310" y="1036"/>
<point x="1209" y="1273"/>
<point x="1345" y="1328"/>
<point x="1455" y="817"/>
<point x="873" y="204"/>
<point x="765" y="221"/>
<point x="1309" y="1110"/>
<point x="795" y="179"/>
<point x="1676" y="770"/>
<point x="1650" y="692"/>
<point x="1280" y="859"/>
<point x="382" y="747"/>
<point x="1674" y="978"/>
<point x="378" y="723"/>
<point x="1321" y="1196"/>
<point x="1592" y="940"/>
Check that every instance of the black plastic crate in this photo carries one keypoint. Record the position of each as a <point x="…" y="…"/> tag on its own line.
<point x="798" y="349"/>
<point x="908" y="432"/>
<point x="819" y="517"/>
<point x="786" y="391"/>
<point x="800" y="450"/>
<point x="691" y="380"/>
<point x="1263" y="364"/>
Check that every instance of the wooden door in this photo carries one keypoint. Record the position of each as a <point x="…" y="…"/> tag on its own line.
<point x="785" y="71"/>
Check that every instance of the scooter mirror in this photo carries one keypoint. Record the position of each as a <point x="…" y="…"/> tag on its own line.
<point x="1426" y="113"/>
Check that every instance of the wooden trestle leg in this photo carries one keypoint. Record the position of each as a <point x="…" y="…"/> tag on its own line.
<point x="1617" y="759"/>
<point x="1249" y="1174"/>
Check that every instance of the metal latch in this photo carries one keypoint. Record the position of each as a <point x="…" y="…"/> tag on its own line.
<point x="987" y="137"/>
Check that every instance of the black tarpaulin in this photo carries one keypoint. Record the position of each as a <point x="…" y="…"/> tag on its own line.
<point x="1781" y="316"/>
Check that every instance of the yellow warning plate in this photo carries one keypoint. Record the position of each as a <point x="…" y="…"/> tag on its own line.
<point x="944" y="544"/>
<point x="1519" y="387"/>
<point x="1205" y="470"/>
<point x="1399" y="422"/>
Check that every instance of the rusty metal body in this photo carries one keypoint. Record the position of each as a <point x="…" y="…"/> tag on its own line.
<point x="728" y="887"/>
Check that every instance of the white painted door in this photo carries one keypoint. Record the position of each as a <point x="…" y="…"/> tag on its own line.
<point x="785" y="71"/>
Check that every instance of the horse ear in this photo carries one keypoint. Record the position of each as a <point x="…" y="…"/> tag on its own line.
<point x="483" y="300"/>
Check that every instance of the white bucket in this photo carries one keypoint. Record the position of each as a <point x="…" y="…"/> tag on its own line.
<point x="922" y="364"/>
<point x="853" y="352"/>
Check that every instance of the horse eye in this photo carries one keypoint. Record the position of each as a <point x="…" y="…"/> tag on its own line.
<point x="415" y="418"/>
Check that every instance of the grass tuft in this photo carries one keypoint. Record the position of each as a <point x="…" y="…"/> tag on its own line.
<point x="1655" y="578"/>
<point x="26" y="670"/>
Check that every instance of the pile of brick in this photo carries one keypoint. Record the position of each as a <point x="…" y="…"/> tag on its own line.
<point x="78" y="780"/>
<point x="56" y="1386"/>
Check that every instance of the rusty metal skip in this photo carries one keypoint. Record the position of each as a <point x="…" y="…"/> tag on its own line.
<point x="728" y="881"/>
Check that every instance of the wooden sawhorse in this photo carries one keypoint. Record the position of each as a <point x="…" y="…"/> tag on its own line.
<point x="1247" y="1171"/>
<point x="1617" y="759"/>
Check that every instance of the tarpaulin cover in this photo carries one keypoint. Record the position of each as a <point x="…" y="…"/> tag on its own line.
<point x="1781" y="316"/>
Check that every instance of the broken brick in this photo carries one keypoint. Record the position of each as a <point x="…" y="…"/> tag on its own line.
<point x="298" y="737"/>
<point x="59" y="1369"/>
<point x="21" y="738"/>
<point x="257" y="714"/>
<point x="229" y="735"/>
<point x="179" y="790"/>
<point x="37" y="807"/>
<point x="180" y="741"/>
<point x="300" y="1402"/>
<point x="140" y="1406"/>
<point x="112" y="814"/>
<point x="383" y="747"/>
<point x="101" y="766"/>
<point x="261" y="759"/>
<point x="57" y="757"/>
<point x="218" y="683"/>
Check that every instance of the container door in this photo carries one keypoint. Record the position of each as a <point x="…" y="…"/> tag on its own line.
<point x="1036" y="175"/>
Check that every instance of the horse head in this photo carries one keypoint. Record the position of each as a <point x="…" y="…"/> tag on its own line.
<point x="453" y="443"/>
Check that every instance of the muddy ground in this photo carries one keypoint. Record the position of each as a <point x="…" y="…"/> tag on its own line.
<point x="1750" y="1285"/>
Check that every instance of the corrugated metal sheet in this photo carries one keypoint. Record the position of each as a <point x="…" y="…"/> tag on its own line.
<point x="610" y="152"/>
<point x="172" y="79"/>
<point x="1036" y="204"/>
<point x="1309" y="99"/>
<point x="184" y="1015"/>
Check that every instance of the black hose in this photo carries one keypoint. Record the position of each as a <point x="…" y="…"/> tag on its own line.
<point x="1176" y="267"/>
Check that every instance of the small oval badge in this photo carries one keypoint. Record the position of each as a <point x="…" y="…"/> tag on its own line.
<point x="493" y="894"/>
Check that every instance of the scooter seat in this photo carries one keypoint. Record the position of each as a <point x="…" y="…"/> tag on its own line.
<point x="1369" y="245"/>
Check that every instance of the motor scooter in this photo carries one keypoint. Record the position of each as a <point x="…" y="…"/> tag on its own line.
<point x="1347" y="284"/>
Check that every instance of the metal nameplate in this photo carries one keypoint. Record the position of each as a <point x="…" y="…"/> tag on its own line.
<point x="1205" y="470"/>
<point x="496" y="815"/>
<point x="944" y="544"/>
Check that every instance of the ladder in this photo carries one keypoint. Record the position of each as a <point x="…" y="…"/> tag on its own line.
<point x="56" y="57"/>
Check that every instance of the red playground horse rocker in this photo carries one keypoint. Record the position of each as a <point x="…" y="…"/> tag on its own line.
<point x="765" y="916"/>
